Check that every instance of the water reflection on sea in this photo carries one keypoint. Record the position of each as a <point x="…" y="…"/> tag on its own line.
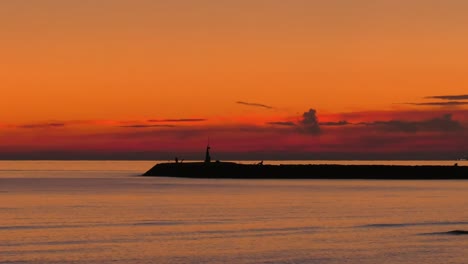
<point x="101" y="212"/>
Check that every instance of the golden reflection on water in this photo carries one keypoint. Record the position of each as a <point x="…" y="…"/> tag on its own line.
<point x="102" y="216"/>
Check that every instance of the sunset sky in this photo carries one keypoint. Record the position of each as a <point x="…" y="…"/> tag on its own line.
<point x="298" y="79"/>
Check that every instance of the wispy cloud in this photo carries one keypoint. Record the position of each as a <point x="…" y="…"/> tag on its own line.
<point x="280" y="123"/>
<point x="449" y="97"/>
<point x="255" y="104"/>
<point x="449" y="103"/>
<point x="146" y="126"/>
<point x="181" y="120"/>
<point x="339" y="123"/>
<point x="43" y="125"/>
<point x="445" y="100"/>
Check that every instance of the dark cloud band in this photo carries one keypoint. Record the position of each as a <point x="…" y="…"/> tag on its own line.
<point x="181" y="120"/>
<point x="438" y="124"/>
<point x="282" y="123"/>
<point x="449" y="97"/>
<point x="449" y="103"/>
<point x="146" y="126"/>
<point x="339" y="123"/>
<point x="46" y="125"/>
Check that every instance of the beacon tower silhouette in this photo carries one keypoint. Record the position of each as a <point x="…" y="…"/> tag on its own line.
<point x="207" y="155"/>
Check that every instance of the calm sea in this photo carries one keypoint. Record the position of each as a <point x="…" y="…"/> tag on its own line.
<point x="102" y="212"/>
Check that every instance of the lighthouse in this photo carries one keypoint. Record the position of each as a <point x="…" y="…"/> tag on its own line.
<point x="207" y="155"/>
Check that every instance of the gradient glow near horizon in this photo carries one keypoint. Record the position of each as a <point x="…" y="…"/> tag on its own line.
<point x="347" y="78"/>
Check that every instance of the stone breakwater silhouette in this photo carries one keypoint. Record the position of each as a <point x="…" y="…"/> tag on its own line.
<point x="231" y="170"/>
<point x="228" y="170"/>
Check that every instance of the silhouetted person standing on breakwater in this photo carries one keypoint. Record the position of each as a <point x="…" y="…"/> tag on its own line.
<point x="207" y="155"/>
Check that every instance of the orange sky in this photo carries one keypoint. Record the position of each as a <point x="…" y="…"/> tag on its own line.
<point x="114" y="61"/>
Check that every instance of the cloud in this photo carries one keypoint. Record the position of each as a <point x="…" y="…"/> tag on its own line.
<point x="438" y="124"/>
<point x="449" y="97"/>
<point x="449" y="103"/>
<point x="309" y="122"/>
<point x="384" y="134"/>
<point x="280" y="123"/>
<point x="255" y="105"/>
<point x="448" y="100"/>
<point x="339" y="123"/>
<point x="45" y="125"/>
<point x="146" y="126"/>
<point x="181" y="120"/>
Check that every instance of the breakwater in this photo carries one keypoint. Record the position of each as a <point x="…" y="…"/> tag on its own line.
<point x="228" y="170"/>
